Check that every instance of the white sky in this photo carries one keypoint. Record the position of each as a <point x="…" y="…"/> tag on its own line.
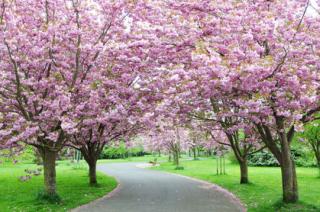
<point x="314" y="8"/>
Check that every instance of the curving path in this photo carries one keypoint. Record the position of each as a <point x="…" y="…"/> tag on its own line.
<point x="143" y="190"/>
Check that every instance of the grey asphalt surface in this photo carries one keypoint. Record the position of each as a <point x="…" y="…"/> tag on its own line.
<point x="143" y="190"/>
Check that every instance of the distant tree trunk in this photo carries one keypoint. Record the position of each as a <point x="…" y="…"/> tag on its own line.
<point x="244" y="179"/>
<point x="318" y="161"/>
<point x="176" y="158"/>
<point x="49" y="170"/>
<point x="38" y="157"/>
<point x="194" y="153"/>
<point x="159" y="153"/>
<point x="217" y="158"/>
<point x="224" y="165"/>
<point x="316" y="149"/>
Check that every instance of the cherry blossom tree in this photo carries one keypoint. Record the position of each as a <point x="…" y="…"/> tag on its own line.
<point x="51" y="51"/>
<point x="197" y="138"/>
<point x="280" y="81"/>
<point x="260" y="56"/>
<point x="92" y="140"/>
<point x="152" y="145"/>
<point x="105" y="124"/>
<point x="242" y="140"/>
<point x="171" y="136"/>
<point x="118" y="99"/>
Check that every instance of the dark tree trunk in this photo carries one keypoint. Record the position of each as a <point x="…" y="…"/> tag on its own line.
<point x="288" y="171"/>
<point x="93" y="173"/>
<point x="244" y="179"/>
<point x="38" y="157"/>
<point x="283" y="154"/>
<point x="91" y="158"/>
<point x="289" y="182"/>
<point x="317" y="154"/>
<point x="241" y="156"/>
<point x="194" y="153"/>
<point x="49" y="169"/>
<point x="176" y="158"/>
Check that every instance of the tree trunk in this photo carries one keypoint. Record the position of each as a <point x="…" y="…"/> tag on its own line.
<point x="283" y="154"/>
<point x="38" y="157"/>
<point x="244" y="179"/>
<point x="289" y="183"/>
<point x="217" y="165"/>
<point x="194" y="153"/>
<point x="176" y="158"/>
<point x="91" y="159"/>
<point x="93" y="173"/>
<point x="289" y="177"/>
<point x="49" y="169"/>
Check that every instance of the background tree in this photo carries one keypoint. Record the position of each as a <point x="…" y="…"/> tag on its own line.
<point x="197" y="138"/>
<point x="311" y="135"/>
<point x="172" y="137"/>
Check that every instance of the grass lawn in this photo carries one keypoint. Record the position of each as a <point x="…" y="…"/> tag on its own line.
<point x="72" y="185"/>
<point x="264" y="192"/>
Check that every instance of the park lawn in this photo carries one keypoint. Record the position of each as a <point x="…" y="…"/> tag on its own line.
<point x="264" y="192"/>
<point x="72" y="186"/>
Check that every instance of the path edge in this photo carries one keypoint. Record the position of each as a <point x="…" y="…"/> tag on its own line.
<point x="105" y="197"/>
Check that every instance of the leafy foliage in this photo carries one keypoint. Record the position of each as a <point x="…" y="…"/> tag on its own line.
<point x="300" y="154"/>
<point x="121" y="151"/>
<point x="263" y="158"/>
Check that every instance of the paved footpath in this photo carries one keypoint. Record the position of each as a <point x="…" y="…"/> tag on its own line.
<point x="143" y="190"/>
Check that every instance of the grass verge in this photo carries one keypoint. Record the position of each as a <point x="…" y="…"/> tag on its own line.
<point x="264" y="192"/>
<point x="72" y="185"/>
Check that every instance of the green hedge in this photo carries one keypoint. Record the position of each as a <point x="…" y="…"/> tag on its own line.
<point x="121" y="151"/>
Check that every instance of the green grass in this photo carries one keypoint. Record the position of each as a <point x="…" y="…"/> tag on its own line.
<point x="264" y="192"/>
<point x="72" y="186"/>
